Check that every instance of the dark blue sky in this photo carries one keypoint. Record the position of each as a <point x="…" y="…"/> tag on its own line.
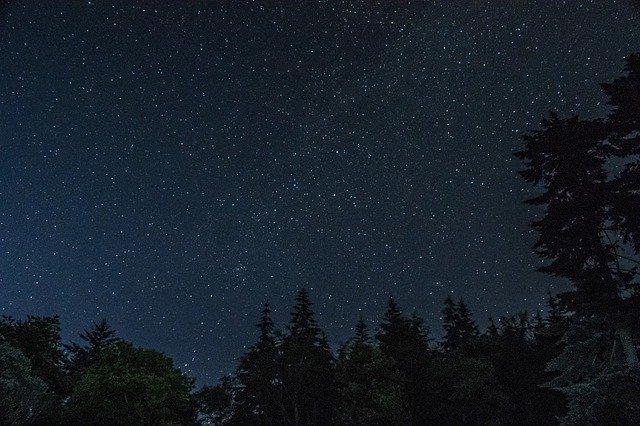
<point x="170" y="166"/>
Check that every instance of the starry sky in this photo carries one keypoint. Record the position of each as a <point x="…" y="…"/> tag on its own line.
<point x="171" y="166"/>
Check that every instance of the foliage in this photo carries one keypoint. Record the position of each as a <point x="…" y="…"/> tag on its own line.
<point x="38" y="338"/>
<point x="130" y="385"/>
<point x="98" y="339"/>
<point x="590" y="234"/>
<point x="371" y="389"/>
<point x="22" y="393"/>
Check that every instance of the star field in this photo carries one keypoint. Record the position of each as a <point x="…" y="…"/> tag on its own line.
<point x="171" y="167"/>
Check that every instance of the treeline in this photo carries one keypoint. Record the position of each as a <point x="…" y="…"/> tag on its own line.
<point x="397" y="375"/>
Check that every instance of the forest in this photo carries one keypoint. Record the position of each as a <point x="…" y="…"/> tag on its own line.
<point x="576" y="364"/>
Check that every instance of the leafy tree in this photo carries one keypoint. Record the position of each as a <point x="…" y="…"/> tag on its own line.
<point x="129" y="385"/>
<point x="22" y="393"/>
<point x="38" y="338"/>
<point x="215" y="403"/>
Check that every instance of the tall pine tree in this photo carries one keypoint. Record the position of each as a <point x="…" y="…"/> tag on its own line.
<point x="307" y="369"/>
<point x="259" y="395"/>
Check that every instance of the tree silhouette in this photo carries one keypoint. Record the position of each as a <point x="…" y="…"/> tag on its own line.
<point x="458" y="324"/>
<point x="307" y="368"/>
<point x="590" y="234"/>
<point x="260" y="390"/>
<point x="97" y="340"/>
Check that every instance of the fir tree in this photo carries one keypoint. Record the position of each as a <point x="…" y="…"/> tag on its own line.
<point x="257" y="400"/>
<point x="362" y="331"/>
<point x="371" y="389"/>
<point x="406" y="341"/>
<point x="458" y="324"/>
<point x="307" y="368"/>
<point x="97" y="340"/>
<point x="590" y="234"/>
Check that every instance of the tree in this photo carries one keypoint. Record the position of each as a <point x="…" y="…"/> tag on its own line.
<point x="260" y="391"/>
<point x="98" y="339"/>
<point x="405" y="340"/>
<point x="458" y="324"/>
<point x="38" y="338"/>
<point x="215" y="403"/>
<point x="590" y="234"/>
<point x="556" y="313"/>
<point x="130" y="385"/>
<point x="307" y="369"/>
<point x="371" y="389"/>
<point x="22" y="393"/>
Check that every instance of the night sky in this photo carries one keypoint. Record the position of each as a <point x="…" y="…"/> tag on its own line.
<point x="170" y="166"/>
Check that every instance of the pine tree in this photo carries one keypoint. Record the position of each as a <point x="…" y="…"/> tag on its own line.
<point x="307" y="368"/>
<point x="590" y="234"/>
<point x="406" y="341"/>
<point x="458" y="324"/>
<point x="492" y="329"/>
<point x="257" y="400"/>
<point x="371" y="389"/>
<point x="556" y="314"/>
<point x="362" y="331"/>
<point x="97" y="340"/>
<point x="468" y="329"/>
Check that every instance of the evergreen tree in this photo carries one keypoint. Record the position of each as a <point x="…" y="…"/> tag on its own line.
<point x="259" y="395"/>
<point x="371" y="389"/>
<point x="590" y="234"/>
<point x="406" y="341"/>
<point x="307" y="369"/>
<point x="458" y="324"/>
<point x="97" y="340"/>
<point x="556" y="313"/>
<point x="403" y="339"/>
<point x="492" y="329"/>
<point x="362" y="331"/>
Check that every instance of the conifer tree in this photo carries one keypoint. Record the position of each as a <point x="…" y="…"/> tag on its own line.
<point x="97" y="340"/>
<point x="492" y="328"/>
<point x="458" y="324"/>
<point x="362" y="331"/>
<point x="258" y="377"/>
<point x="590" y="234"/>
<point x="406" y="341"/>
<point x="371" y="389"/>
<point x="307" y="368"/>
<point x="555" y="313"/>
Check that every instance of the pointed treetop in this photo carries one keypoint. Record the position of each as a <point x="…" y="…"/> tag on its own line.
<point x="362" y="331"/>
<point x="555" y="312"/>
<point x="492" y="329"/>
<point x="393" y="311"/>
<point x="266" y="323"/>
<point x="303" y="320"/>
